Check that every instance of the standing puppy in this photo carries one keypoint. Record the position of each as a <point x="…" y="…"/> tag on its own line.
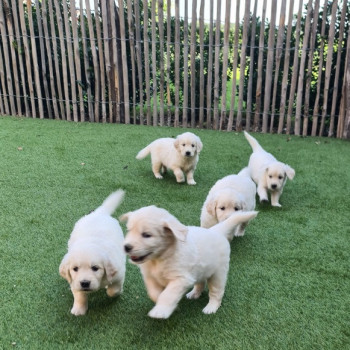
<point x="95" y="257"/>
<point x="229" y="194"/>
<point x="267" y="172"/>
<point x="174" y="257"/>
<point x="180" y="155"/>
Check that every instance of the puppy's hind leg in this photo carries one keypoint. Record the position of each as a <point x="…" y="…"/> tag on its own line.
<point x="156" y="168"/>
<point x="80" y="304"/>
<point x="196" y="292"/>
<point x="115" y="289"/>
<point x="216" y="285"/>
<point x="179" y="175"/>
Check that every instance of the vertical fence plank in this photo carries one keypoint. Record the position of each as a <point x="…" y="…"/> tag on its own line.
<point x="12" y="47"/>
<point x="201" y="63"/>
<point x="193" y="62"/>
<point x="309" y="67"/>
<point x="251" y="68"/>
<point x="320" y="69"/>
<point x="210" y="66"/>
<point x="185" y="74"/>
<point x="48" y="50"/>
<point x="242" y="65"/>
<point x="154" y="65"/>
<point x="225" y="64"/>
<point x="279" y="50"/>
<point x="337" y="71"/>
<point x="177" y="62"/>
<point x="168" y="66"/>
<point x="216" y="65"/>
<point x="146" y="60"/>
<point x="328" y="65"/>
<point x="300" y="90"/>
<point x="256" y="125"/>
<point x="161" y="60"/>
<point x="4" y="39"/>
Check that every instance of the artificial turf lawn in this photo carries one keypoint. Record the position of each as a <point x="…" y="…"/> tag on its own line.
<point x="288" y="285"/>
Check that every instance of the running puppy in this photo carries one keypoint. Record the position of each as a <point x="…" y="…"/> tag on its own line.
<point x="229" y="194"/>
<point x="95" y="257"/>
<point x="180" y="155"/>
<point x="173" y="257"/>
<point x="267" y="172"/>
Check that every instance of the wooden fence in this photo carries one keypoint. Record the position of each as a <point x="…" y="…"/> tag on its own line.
<point x="150" y="64"/>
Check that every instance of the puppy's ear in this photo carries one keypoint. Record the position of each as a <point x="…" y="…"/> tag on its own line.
<point x="124" y="217"/>
<point x="110" y="269"/>
<point x="64" y="269"/>
<point x="290" y="172"/>
<point x="178" y="230"/>
<point x="199" y="145"/>
<point x="211" y="206"/>
<point x="177" y="144"/>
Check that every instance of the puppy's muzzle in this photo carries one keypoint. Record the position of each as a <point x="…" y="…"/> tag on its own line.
<point x="188" y="154"/>
<point x="85" y="284"/>
<point x="273" y="186"/>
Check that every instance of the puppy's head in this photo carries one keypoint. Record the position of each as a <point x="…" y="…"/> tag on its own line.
<point x="188" y="144"/>
<point x="276" y="175"/>
<point x="85" y="267"/>
<point x="151" y="233"/>
<point x="225" y="202"/>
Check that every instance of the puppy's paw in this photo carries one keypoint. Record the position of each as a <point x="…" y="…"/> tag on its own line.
<point x="158" y="176"/>
<point x="160" y="312"/>
<point x="276" y="205"/>
<point x="114" y="291"/>
<point x="78" y="310"/>
<point x="211" y="308"/>
<point x="180" y="180"/>
<point x="193" y="294"/>
<point x="264" y="201"/>
<point x="191" y="182"/>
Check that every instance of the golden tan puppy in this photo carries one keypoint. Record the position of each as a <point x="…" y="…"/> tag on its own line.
<point x="267" y="172"/>
<point x="180" y="155"/>
<point x="229" y="194"/>
<point x="173" y="257"/>
<point x="95" y="257"/>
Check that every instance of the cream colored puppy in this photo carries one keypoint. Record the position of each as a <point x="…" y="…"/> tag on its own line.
<point x="180" y="155"/>
<point x="173" y="257"/>
<point x="267" y="172"/>
<point x="95" y="257"/>
<point x="229" y="194"/>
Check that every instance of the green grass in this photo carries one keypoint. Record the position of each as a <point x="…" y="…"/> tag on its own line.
<point x="288" y="285"/>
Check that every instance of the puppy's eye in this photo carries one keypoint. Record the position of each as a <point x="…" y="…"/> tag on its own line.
<point x="280" y="177"/>
<point x="222" y="208"/>
<point x="184" y="144"/>
<point x="146" y="235"/>
<point x="192" y="145"/>
<point x="270" y="176"/>
<point x="236" y="208"/>
<point x="75" y="269"/>
<point x="95" y="268"/>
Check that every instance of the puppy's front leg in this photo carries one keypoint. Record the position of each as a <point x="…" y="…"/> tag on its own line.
<point x="115" y="289"/>
<point x="179" y="175"/>
<point x="153" y="288"/>
<point x="190" y="179"/>
<point x="262" y="192"/>
<point x="275" y="196"/>
<point x="168" y="299"/>
<point x="80" y="305"/>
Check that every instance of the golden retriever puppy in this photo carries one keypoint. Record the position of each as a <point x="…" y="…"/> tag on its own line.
<point x="95" y="257"/>
<point x="173" y="257"/>
<point x="268" y="173"/>
<point x="229" y="194"/>
<point x="180" y="155"/>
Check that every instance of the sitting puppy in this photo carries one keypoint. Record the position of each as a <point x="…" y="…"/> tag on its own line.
<point x="229" y="194"/>
<point x="267" y="172"/>
<point x="174" y="257"/>
<point x="95" y="257"/>
<point x="180" y="155"/>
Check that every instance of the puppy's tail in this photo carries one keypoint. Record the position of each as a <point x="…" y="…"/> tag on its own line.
<point x="253" y="142"/>
<point x="111" y="203"/>
<point x="144" y="152"/>
<point x="227" y="226"/>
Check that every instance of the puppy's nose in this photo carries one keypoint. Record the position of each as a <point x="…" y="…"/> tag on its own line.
<point x="188" y="153"/>
<point x="128" y="248"/>
<point x="274" y="186"/>
<point x="85" y="284"/>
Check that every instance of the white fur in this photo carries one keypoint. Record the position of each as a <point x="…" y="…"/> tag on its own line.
<point x="173" y="257"/>
<point x="268" y="173"/>
<point x="180" y="155"/>
<point x="229" y="194"/>
<point x="95" y="257"/>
